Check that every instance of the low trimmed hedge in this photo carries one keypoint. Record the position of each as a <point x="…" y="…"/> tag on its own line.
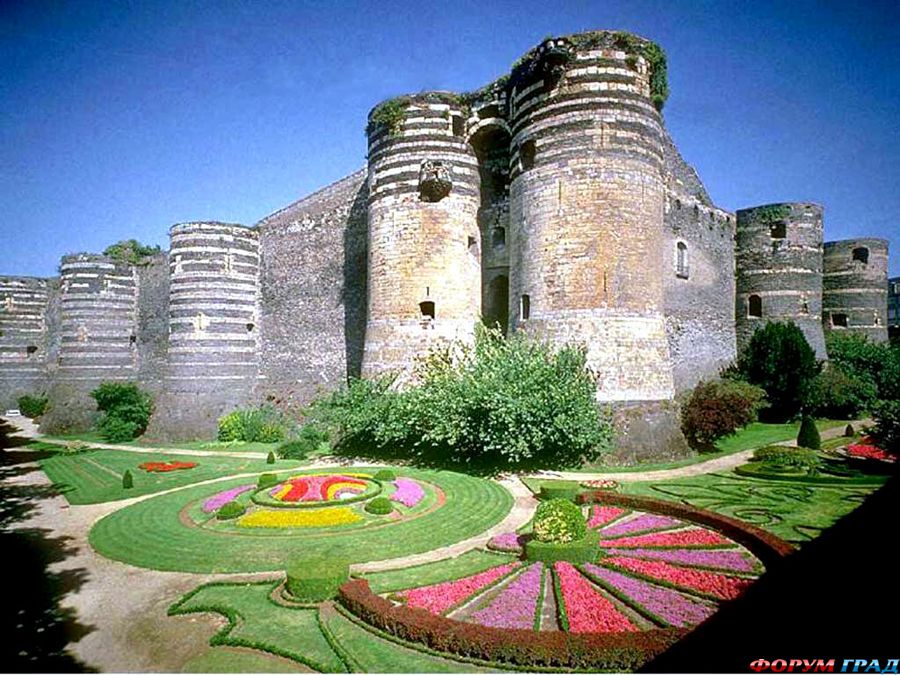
<point x="622" y="651"/>
<point x="582" y="551"/>
<point x="316" y="580"/>
<point x="850" y="477"/>
<point x="380" y="506"/>
<point x="569" y="493"/>
<point x="385" y="475"/>
<point x="267" y="480"/>
<point x="230" y="510"/>
<point x="769" y="548"/>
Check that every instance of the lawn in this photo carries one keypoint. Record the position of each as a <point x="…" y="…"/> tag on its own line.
<point x="153" y="534"/>
<point x="321" y="638"/>
<point x="217" y="446"/>
<point x="470" y="562"/>
<point x="93" y="476"/>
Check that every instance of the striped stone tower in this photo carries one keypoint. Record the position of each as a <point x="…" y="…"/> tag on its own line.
<point x="213" y="353"/>
<point x="855" y="287"/>
<point x="424" y="258"/>
<point x="23" y="348"/>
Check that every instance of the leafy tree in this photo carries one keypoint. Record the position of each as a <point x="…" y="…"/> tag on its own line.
<point x="877" y="364"/>
<point x="887" y="426"/>
<point x="840" y="392"/>
<point x="127" y="409"/>
<point x="779" y="359"/>
<point x="717" y="409"/>
<point x="130" y="251"/>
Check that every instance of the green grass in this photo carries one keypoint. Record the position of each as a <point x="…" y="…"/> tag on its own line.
<point x="794" y="512"/>
<point x="241" y="660"/>
<point x="754" y="435"/>
<point x="151" y="533"/>
<point x="211" y="445"/>
<point x="470" y="562"/>
<point x="320" y="638"/>
<point x="93" y="476"/>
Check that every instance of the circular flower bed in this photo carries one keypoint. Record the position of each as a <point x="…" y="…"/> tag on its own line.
<point x="163" y="467"/>
<point x="601" y="484"/>
<point x="318" y="489"/>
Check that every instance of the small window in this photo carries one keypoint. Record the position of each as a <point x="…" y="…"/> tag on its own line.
<point x="250" y="327"/>
<point x="31" y="350"/>
<point x="458" y="125"/>
<point x="498" y="237"/>
<point x="527" y="152"/>
<point x="470" y="244"/>
<point x="778" y="230"/>
<point x="133" y="339"/>
<point x="427" y="309"/>
<point x="678" y="205"/>
<point x="839" y="320"/>
<point x="804" y="306"/>
<point x="681" y="261"/>
<point x="525" y="308"/>
<point x="861" y="254"/>
<point x="754" y="306"/>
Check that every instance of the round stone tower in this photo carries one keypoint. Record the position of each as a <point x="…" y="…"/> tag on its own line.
<point x="778" y="261"/>
<point x="23" y="349"/>
<point x="212" y="363"/>
<point x="424" y="258"/>
<point x="586" y="208"/>
<point x="855" y="287"/>
<point x="98" y="310"/>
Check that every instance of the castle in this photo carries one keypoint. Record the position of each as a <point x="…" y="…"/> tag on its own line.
<point x="552" y="201"/>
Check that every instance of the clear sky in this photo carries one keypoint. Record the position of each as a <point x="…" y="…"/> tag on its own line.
<point x="118" y="119"/>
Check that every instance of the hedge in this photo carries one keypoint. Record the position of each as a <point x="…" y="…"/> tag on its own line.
<point x="582" y="551"/>
<point x="620" y="651"/>
<point x="380" y="506"/>
<point x="558" y="492"/>
<point x="316" y="580"/>
<point x="753" y="470"/>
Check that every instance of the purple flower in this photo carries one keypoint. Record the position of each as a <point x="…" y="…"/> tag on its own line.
<point x="408" y="492"/>
<point x="670" y="606"/>
<point x="737" y="561"/>
<point x="516" y="604"/>
<point x="508" y="541"/>
<point x="643" y="523"/>
<point x="216" y="502"/>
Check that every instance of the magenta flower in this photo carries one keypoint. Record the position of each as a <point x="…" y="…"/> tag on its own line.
<point x="438" y="598"/>
<point x="736" y="561"/>
<point x="647" y="522"/>
<point x="408" y="492"/>
<point x="601" y="515"/>
<point x="586" y="609"/>
<point x="516" y="604"/>
<point x="217" y="501"/>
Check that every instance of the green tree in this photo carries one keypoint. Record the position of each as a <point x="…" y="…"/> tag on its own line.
<point x="130" y="251"/>
<point x="779" y="359"/>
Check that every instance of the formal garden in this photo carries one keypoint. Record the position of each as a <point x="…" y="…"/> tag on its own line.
<point x="473" y="522"/>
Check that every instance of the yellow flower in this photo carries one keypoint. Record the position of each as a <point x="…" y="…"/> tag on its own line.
<point x="329" y="517"/>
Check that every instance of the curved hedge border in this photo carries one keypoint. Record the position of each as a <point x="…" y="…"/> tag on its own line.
<point x="764" y="545"/>
<point x="871" y="480"/>
<point x="621" y="651"/>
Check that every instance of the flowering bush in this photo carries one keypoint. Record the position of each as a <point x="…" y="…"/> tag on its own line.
<point x="558" y="521"/>
<point x="163" y="467"/>
<point x="327" y="517"/>
<point x="601" y="515"/>
<point x="585" y="610"/>
<point x="517" y="604"/>
<point x="215" y="502"/>
<point x="601" y="484"/>
<point x="710" y="583"/>
<point x="646" y="522"/>
<point x="440" y="598"/>
<point x="670" y="606"/>
<point x="408" y="492"/>
<point x="683" y="538"/>
<point x="718" y="409"/>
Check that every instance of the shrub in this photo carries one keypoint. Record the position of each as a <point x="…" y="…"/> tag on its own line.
<point x="717" y="409"/>
<point x="784" y="456"/>
<point x="887" y="426"/>
<point x="380" y="506"/>
<point x="32" y="406"/>
<point x="849" y="431"/>
<point x="569" y="492"/>
<point x="130" y="251"/>
<point x="508" y="404"/>
<point x="230" y="510"/>
<point x="779" y="359"/>
<point x="267" y="480"/>
<point x="808" y="436"/>
<point x="876" y="363"/>
<point x="316" y="579"/>
<point x="838" y="393"/>
<point x="263" y="425"/>
<point x="127" y="410"/>
<point x="385" y="475"/>
<point x="309" y="439"/>
<point x="127" y="480"/>
<point x="270" y="458"/>
<point x="582" y="550"/>
<point x="558" y="521"/>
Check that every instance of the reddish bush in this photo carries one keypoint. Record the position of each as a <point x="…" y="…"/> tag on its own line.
<point x="718" y="409"/>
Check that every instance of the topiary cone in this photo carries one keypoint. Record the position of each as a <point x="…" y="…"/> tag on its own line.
<point x="809" y="434"/>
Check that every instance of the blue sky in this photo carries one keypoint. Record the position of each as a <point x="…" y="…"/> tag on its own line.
<point x="118" y="119"/>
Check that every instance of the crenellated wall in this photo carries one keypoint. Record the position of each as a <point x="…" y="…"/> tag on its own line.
<point x="855" y="287"/>
<point x="424" y="243"/>
<point x="779" y="263"/>
<point x="23" y="337"/>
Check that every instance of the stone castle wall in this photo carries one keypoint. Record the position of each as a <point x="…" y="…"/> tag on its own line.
<point x="855" y="287"/>
<point x="23" y="337"/>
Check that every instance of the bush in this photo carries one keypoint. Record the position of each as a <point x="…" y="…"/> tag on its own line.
<point x="230" y="510"/>
<point x="32" y="406"/>
<point x="849" y="431"/>
<point x="130" y="251"/>
<point x="127" y="480"/>
<point x="380" y="506"/>
<point x="309" y="439"/>
<point x="582" y="550"/>
<point x="267" y="480"/>
<point x="510" y="404"/>
<point x="558" y="521"/>
<point x="262" y="425"/>
<point x="568" y="492"/>
<point x="127" y="410"/>
<point x="876" y="363"/>
<point x="779" y="359"/>
<point x="385" y="475"/>
<point x="808" y="436"/>
<point x="270" y="458"/>
<point x="317" y="579"/>
<point x="717" y="409"/>
<point x="840" y="394"/>
<point x="887" y="426"/>
<point x="784" y="456"/>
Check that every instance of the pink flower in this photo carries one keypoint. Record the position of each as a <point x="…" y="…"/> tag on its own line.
<point x="586" y="609"/>
<point x="601" y="515"/>
<point x="685" y="538"/>
<point x="711" y="583"/>
<point x="438" y="598"/>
